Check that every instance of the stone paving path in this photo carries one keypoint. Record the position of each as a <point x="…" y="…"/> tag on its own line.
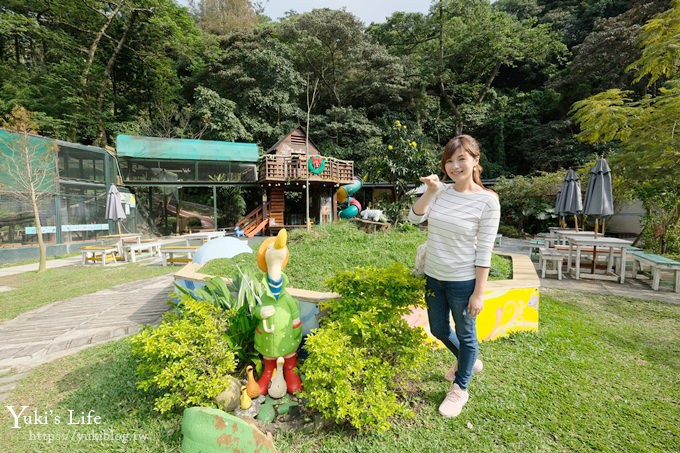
<point x="66" y="327"/>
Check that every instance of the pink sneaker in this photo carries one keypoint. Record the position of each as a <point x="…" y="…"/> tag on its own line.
<point x="454" y="402"/>
<point x="451" y="374"/>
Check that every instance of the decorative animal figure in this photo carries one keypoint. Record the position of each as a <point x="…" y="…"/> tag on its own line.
<point x="372" y="214"/>
<point x="246" y="402"/>
<point x="252" y="386"/>
<point x="277" y="387"/>
<point x="279" y="330"/>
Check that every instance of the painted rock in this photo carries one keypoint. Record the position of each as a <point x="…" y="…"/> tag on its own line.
<point x="209" y="430"/>
<point x="267" y="413"/>
<point x="229" y="399"/>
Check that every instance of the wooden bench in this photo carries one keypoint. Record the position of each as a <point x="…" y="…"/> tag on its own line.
<point x="535" y="245"/>
<point x="94" y="253"/>
<point x="151" y="247"/>
<point x="657" y="263"/>
<point x="553" y="256"/>
<point x="186" y="252"/>
<point x="370" y="226"/>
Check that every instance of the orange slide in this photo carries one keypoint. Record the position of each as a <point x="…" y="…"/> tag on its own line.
<point x="252" y="232"/>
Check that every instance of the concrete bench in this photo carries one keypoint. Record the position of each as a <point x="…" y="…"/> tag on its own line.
<point x="185" y="252"/>
<point x="657" y="263"/>
<point x="95" y="253"/>
<point x="151" y="247"/>
<point x="553" y="256"/>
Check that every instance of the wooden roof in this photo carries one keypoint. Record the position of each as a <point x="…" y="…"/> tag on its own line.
<point x="294" y="144"/>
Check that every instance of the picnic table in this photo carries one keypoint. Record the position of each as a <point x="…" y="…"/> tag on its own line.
<point x="94" y="253"/>
<point x="578" y="243"/>
<point x="122" y="239"/>
<point x="203" y="236"/>
<point x="177" y="253"/>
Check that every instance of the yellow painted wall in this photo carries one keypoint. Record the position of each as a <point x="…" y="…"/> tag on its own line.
<point x="505" y="311"/>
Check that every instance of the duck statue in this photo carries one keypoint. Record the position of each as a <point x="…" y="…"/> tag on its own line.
<point x="246" y="402"/>
<point x="279" y="329"/>
<point x="252" y="386"/>
<point x="277" y="386"/>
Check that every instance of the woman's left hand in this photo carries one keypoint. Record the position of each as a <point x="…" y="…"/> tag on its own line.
<point x="475" y="304"/>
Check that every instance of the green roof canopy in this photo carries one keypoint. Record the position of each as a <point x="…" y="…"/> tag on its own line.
<point x="185" y="149"/>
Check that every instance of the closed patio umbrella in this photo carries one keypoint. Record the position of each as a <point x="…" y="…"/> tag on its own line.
<point x="558" y="200"/>
<point x="114" y="206"/>
<point x="599" y="201"/>
<point x="569" y="200"/>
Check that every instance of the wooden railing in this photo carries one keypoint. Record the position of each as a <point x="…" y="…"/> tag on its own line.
<point x="279" y="168"/>
<point x="254" y="216"/>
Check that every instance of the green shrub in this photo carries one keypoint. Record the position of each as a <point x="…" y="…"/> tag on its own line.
<point x="194" y="222"/>
<point x="510" y="231"/>
<point x="239" y="296"/>
<point x="345" y="382"/>
<point x="187" y="358"/>
<point x="363" y="344"/>
<point x="501" y="268"/>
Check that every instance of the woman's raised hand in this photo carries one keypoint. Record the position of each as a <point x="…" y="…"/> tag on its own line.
<point x="432" y="182"/>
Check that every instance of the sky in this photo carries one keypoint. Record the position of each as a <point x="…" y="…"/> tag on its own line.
<point x="366" y="10"/>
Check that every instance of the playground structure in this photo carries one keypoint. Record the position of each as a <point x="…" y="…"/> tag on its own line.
<point x="284" y="173"/>
<point x="348" y="206"/>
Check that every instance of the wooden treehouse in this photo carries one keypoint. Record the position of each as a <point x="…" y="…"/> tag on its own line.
<point x="283" y="175"/>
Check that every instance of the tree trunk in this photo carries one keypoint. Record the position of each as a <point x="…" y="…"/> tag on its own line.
<point x="442" y="89"/>
<point x="17" y="50"/>
<point x="101" y="139"/>
<point x="38" y="230"/>
<point x="93" y="47"/>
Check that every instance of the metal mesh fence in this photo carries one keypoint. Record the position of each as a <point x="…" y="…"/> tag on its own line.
<point x="81" y="210"/>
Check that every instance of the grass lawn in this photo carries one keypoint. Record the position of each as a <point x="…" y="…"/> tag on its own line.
<point x="601" y="374"/>
<point x="33" y="289"/>
<point x="340" y="246"/>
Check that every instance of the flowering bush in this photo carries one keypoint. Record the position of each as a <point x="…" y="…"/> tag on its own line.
<point x="400" y="159"/>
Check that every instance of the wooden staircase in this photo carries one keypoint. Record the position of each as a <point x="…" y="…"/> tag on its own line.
<point x="277" y="204"/>
<point x="256" y="221"/>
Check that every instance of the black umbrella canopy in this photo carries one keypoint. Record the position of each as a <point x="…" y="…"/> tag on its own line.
<point x="599" y="201"/>
<point x="570" y="202"/>
<point x="569" y="198"/>
<point x="558" y="199"/>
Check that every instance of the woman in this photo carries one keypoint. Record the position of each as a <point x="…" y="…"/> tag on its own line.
<point x="462" y="224"/>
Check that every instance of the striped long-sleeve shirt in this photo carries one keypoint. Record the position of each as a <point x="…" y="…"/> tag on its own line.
<point x="461" y="228"/>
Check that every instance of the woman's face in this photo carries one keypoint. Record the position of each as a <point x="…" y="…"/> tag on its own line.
<point x="459" y="166"/>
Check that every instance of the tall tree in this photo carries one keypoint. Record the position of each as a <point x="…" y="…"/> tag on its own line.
<point x="332" y="46"/>
<point x="646" y="127"/>
<point x="29" y="166"/>
<point x="89" y="68"/>
<point x="253" y="73"/>
<point x="223" y="17"/>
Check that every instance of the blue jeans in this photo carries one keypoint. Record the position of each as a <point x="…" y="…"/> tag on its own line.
<point x="444" y="299"/>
